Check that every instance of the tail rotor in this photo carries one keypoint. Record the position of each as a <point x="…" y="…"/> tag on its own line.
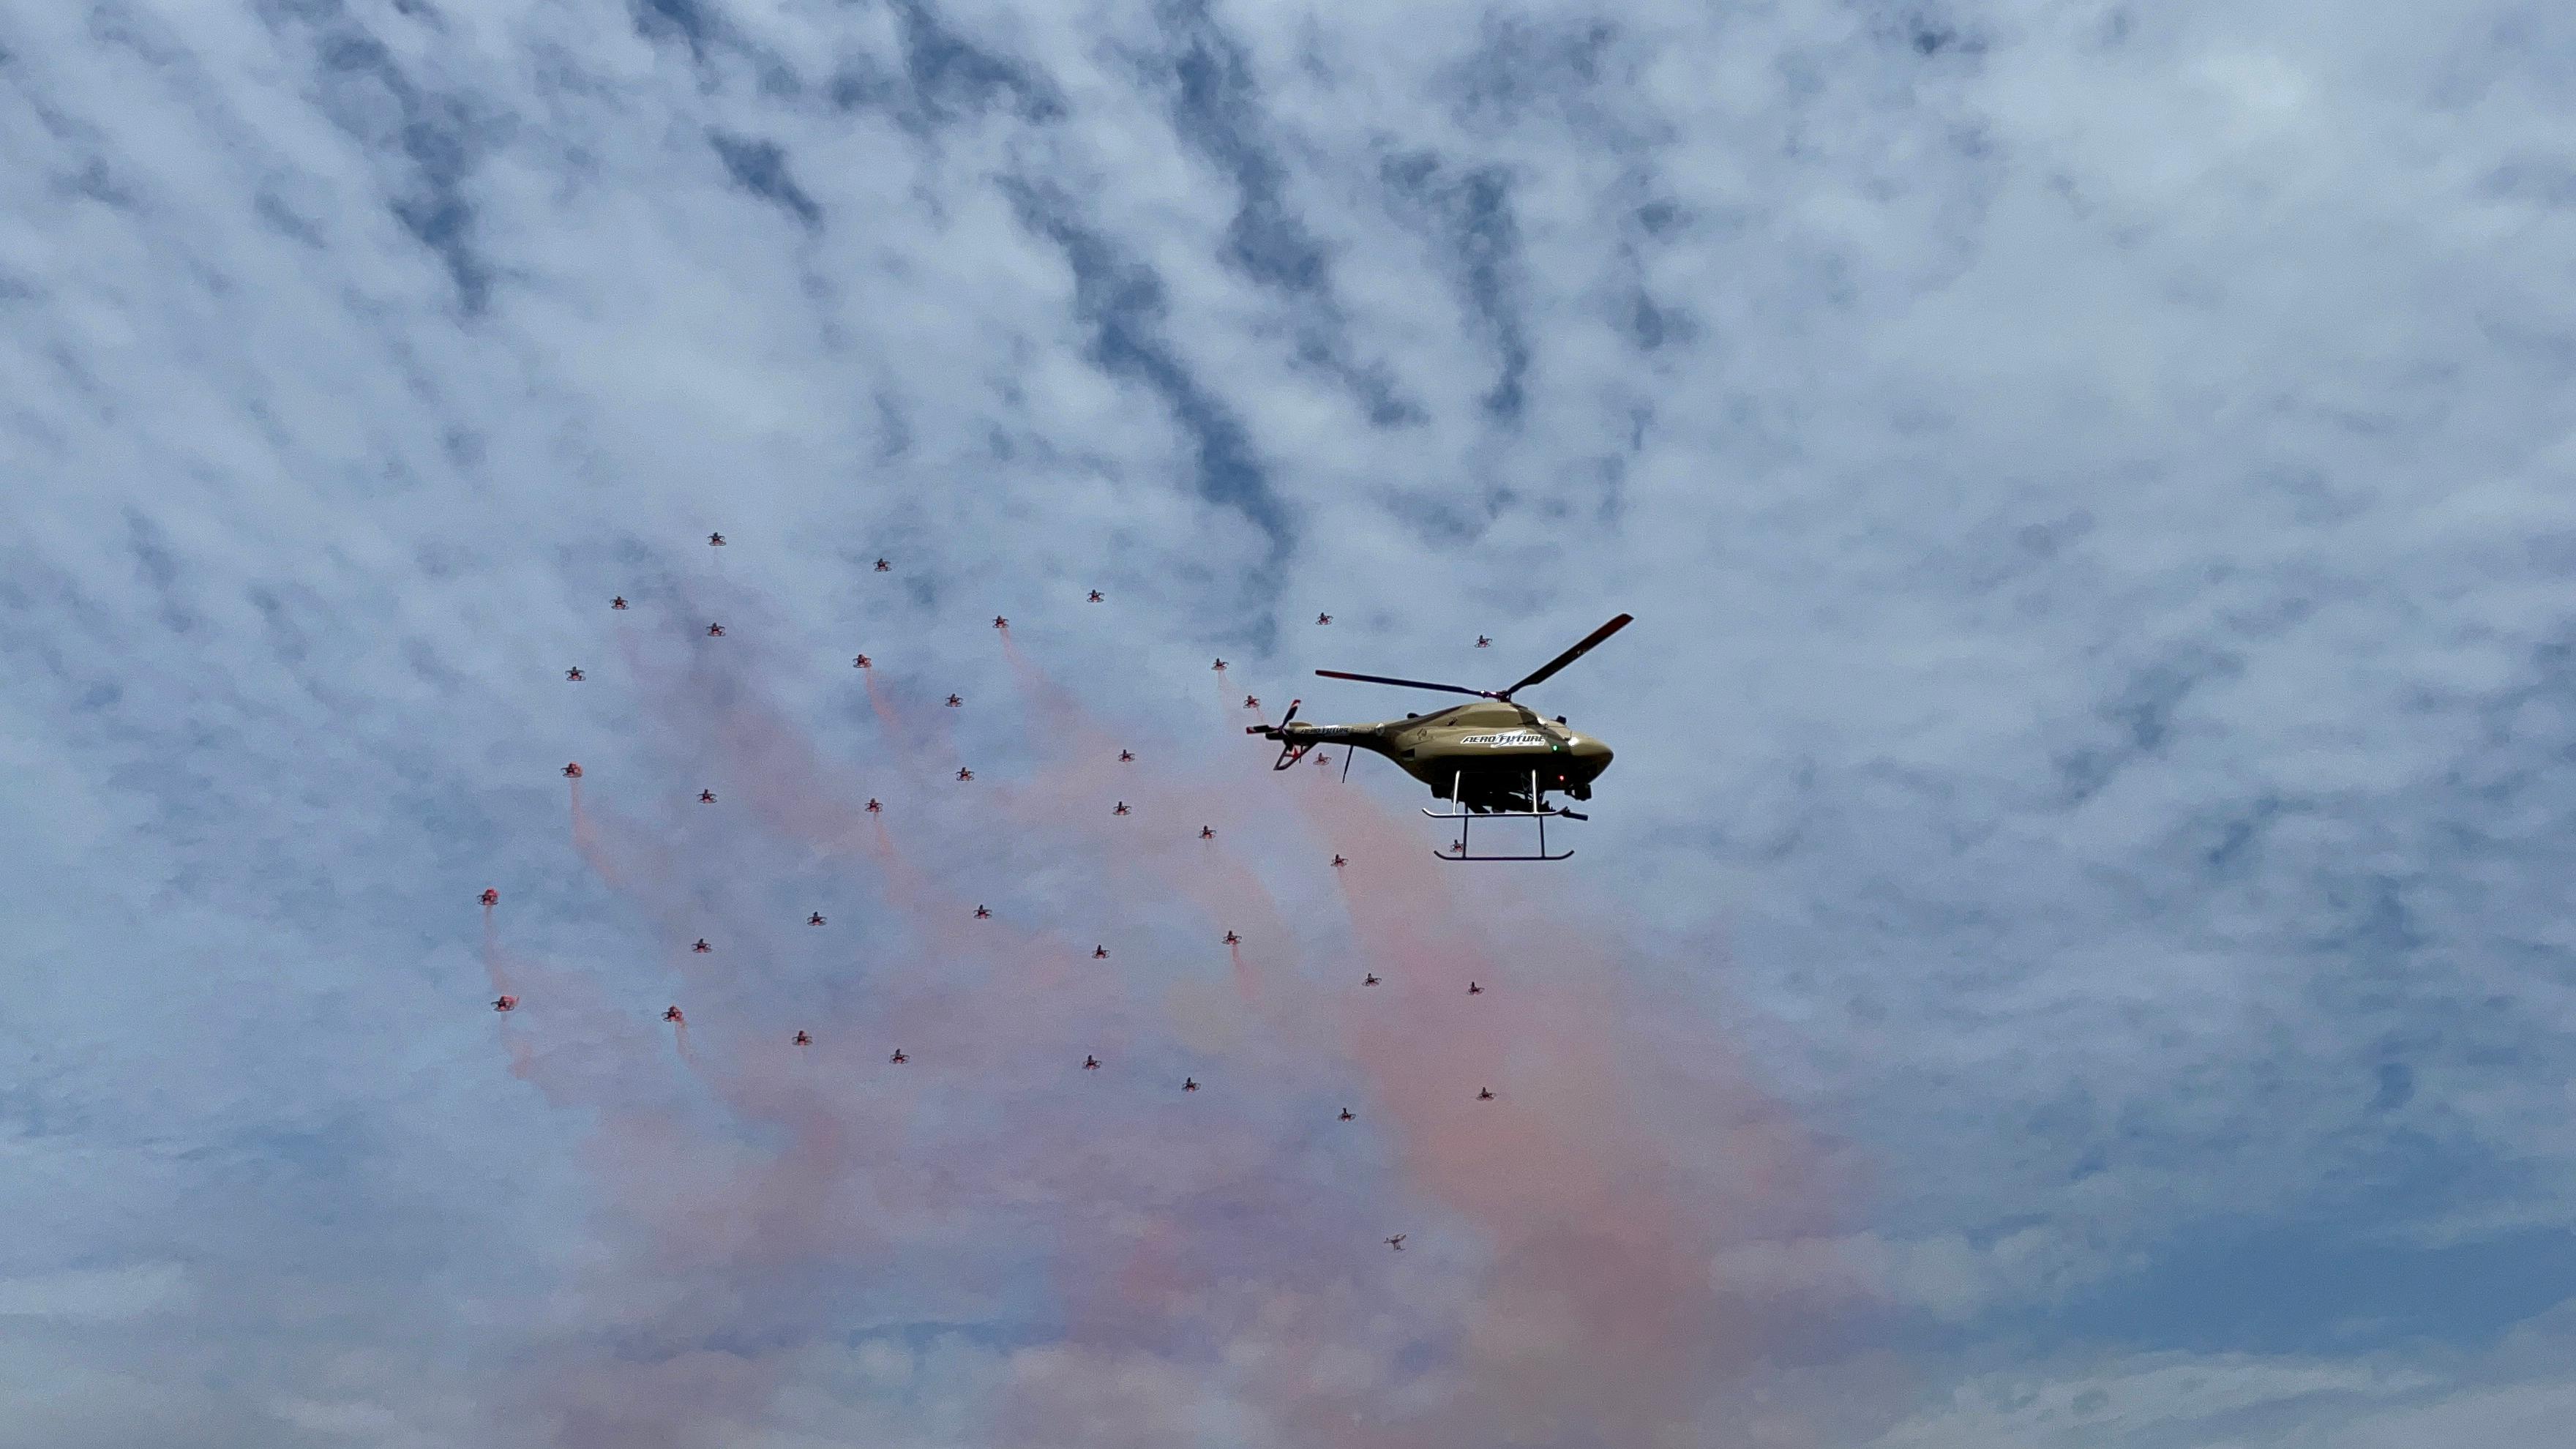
<point x="1290" y="750"/>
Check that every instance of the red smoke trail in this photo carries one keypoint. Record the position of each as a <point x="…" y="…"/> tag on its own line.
<point x="887" y="719"/>
<point x="501" y="980"/>
<point x="1148" y="853"/>
<point x="620" y="853"/>
<point x="1031" y="682"/>
<point x="1556" y="1290"/>
<point x="628" y="858"/>
<point x="1050" y="961"/>
<point x="1601" y="1233"/>
<point x="584" y="838"/>
<point x="1601" y="1228"/>
<point x="941" y="743"/>
<point x="492" y="957"/>
<point x="949" y="923"/>
<point x="788" y="787"/>
<point x="638" y="1405"/>
<point x="784" y="780"/>
<point x="1066" y="721"/>
<point x="682" y="1192"/>
<point x="1435" y="951"/>
<point x="1143" y="1291"/>
<point x="570" y="1039"/>
<point x="1244" y="984"/>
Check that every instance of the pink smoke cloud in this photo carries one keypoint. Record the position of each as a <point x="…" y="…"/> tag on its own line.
<point x="1159" y="1262"/>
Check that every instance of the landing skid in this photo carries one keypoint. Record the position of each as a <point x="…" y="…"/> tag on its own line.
<point x="1463" y="815"/>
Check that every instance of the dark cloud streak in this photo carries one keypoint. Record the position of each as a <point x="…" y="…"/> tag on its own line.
<point x="1217" y="112"/>
<point x="760" y="167"/>
<point x="1469" y="215"/>
<point x="1122" y="303"/>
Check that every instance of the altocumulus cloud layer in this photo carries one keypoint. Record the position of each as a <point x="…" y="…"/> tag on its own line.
<point x="2071" y="952"/>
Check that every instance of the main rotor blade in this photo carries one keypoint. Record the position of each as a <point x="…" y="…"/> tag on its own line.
<point x="1405" y="683"/>
<point x="1569" y="656"/>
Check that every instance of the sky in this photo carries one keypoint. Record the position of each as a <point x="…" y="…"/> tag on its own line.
<point x="2069" y="952"/>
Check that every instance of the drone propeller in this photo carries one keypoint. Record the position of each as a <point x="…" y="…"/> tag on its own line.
<point x="1543" y="672"/>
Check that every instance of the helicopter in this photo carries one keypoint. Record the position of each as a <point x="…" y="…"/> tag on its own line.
<point x="1491" y="758"/>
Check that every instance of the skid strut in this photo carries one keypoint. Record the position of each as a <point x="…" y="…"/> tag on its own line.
<point x="1539" y="812"/>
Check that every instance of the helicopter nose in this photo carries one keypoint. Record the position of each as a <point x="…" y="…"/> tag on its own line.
<point x="1589" y="750"/>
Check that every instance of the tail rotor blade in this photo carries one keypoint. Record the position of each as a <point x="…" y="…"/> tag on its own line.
<point x="1290" y="751"/>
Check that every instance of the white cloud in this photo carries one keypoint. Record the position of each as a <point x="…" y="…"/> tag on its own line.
<point x="2513" y="1396"/>
<point x="96" y="1295"/>
<point x="2151" y="1401"/>
<point x="2092" y="485"/>
<point x="1947" y="1276"/>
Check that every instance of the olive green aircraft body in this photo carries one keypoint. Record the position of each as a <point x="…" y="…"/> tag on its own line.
<point x="1486" y="750"/>
<point x="1492" y="757"/>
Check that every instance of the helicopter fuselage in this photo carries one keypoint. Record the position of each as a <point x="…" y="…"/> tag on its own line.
<point x="1482" y="755"/>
